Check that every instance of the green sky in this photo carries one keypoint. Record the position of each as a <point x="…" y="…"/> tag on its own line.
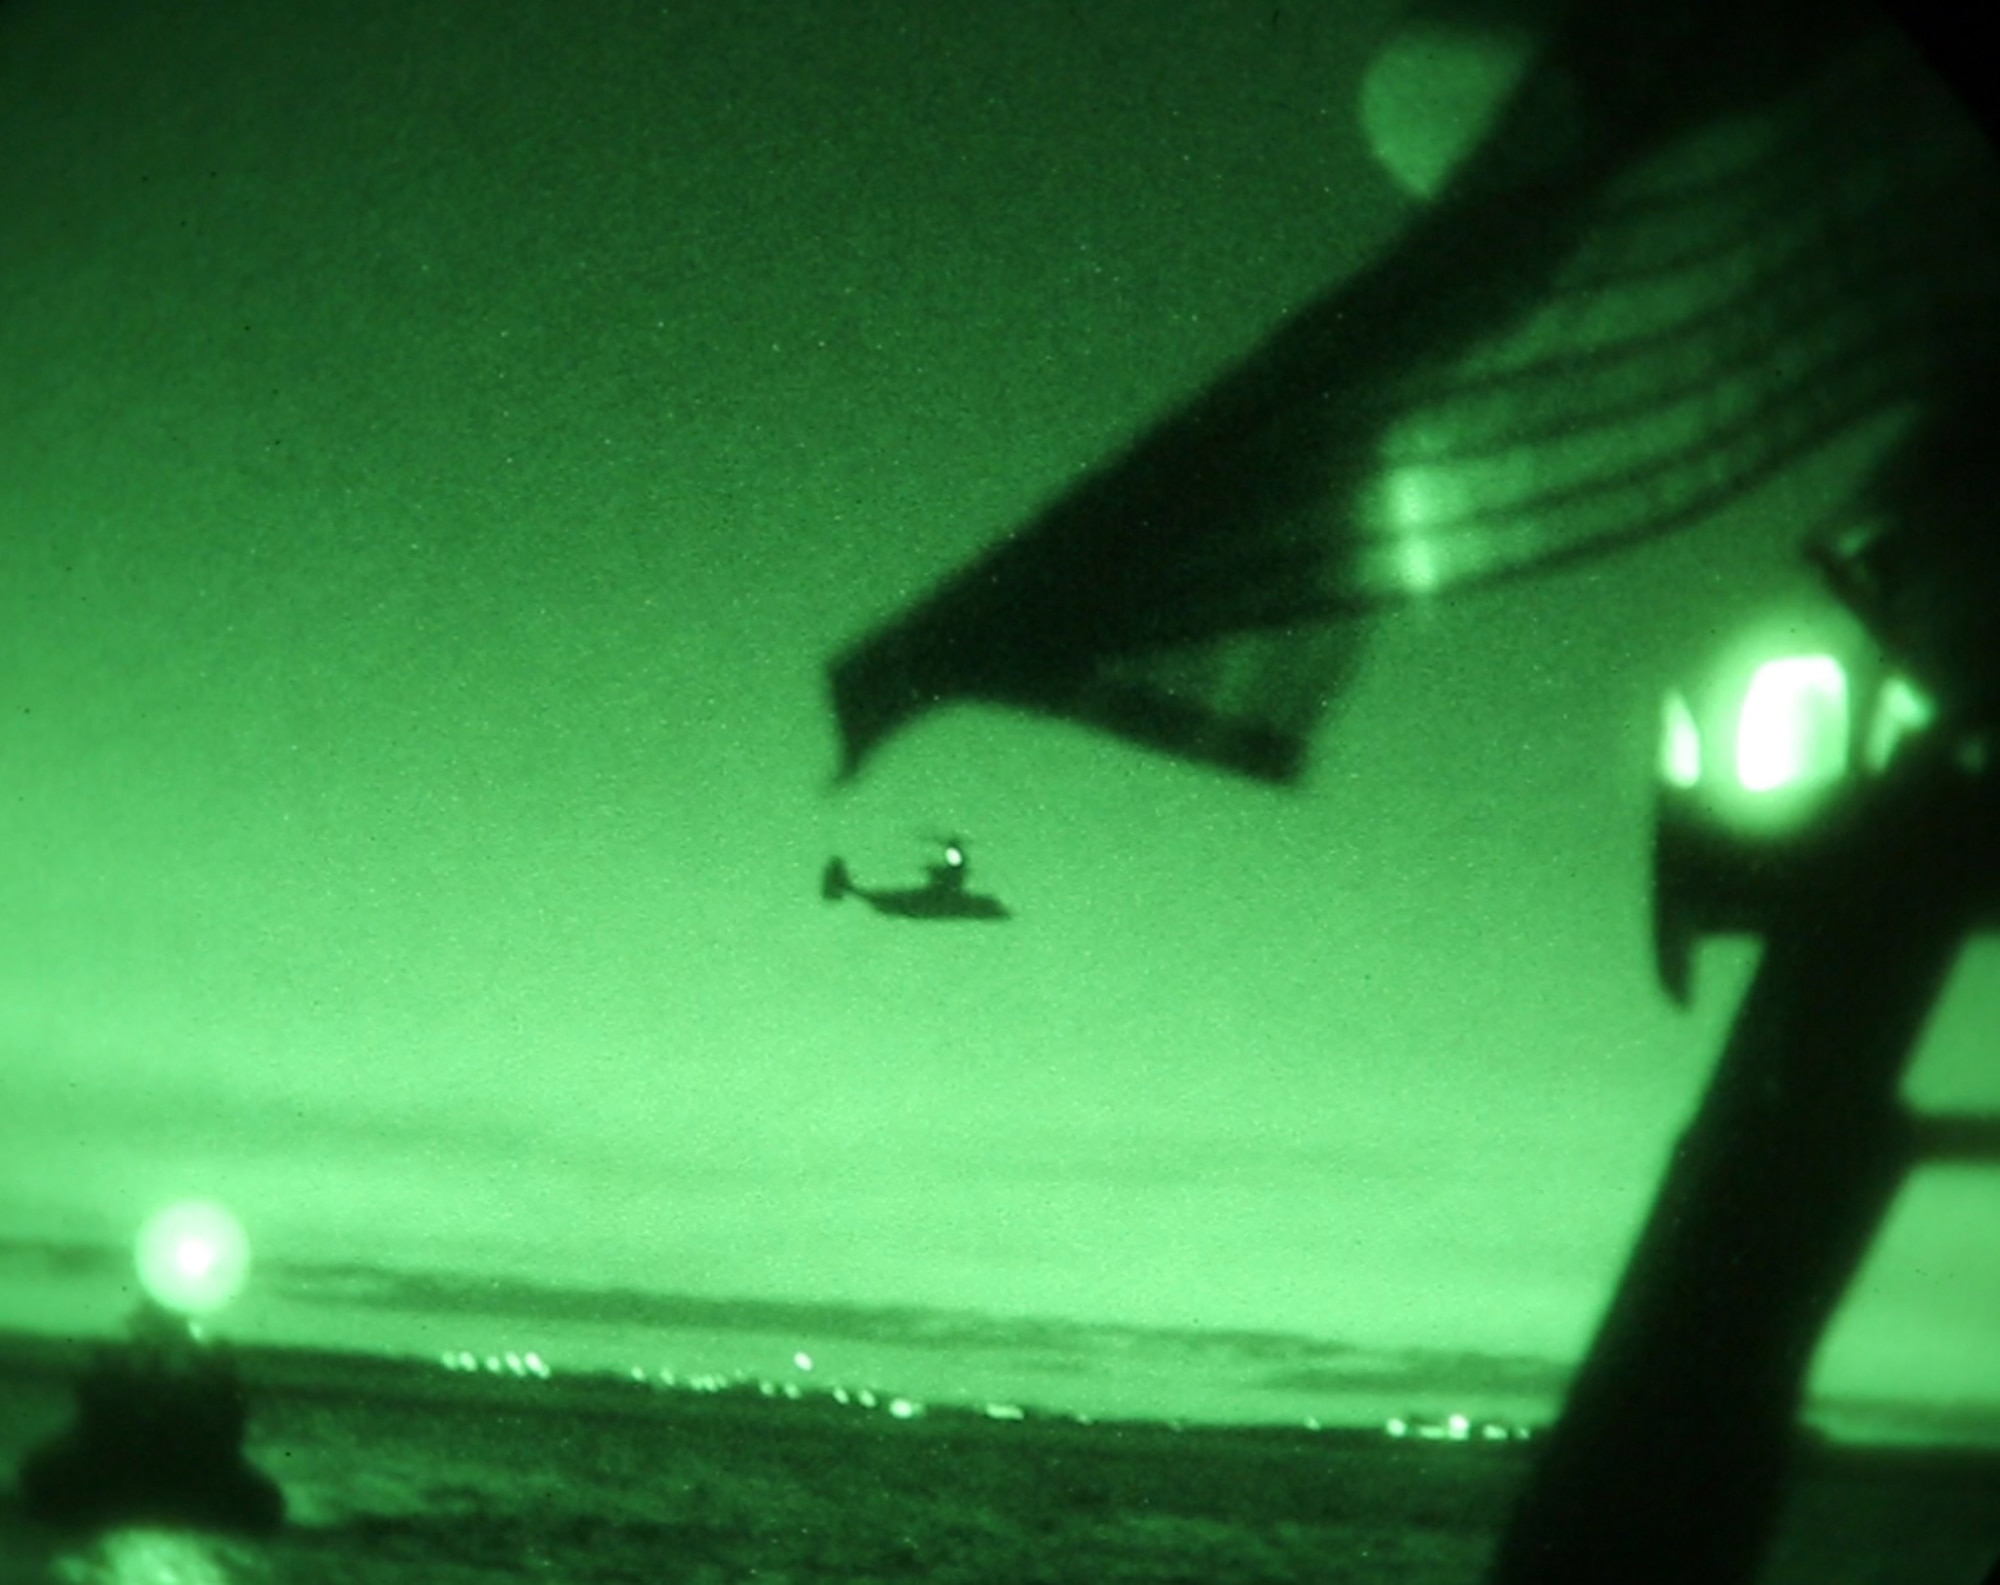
<point x="439" y="450"/>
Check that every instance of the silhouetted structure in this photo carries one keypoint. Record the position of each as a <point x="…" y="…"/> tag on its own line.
<point x="158" y="1437"/>
<point x="1671" y="1456"/>
<point x="1703" y="239"/>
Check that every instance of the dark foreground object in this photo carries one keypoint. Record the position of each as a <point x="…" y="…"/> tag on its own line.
<point x="158" y="1437"/>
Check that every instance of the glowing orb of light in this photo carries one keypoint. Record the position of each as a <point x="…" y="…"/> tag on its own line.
<point x="193" y="1256"/>
<point x="1801" y="703"/>
<point x="1793" y="729"/>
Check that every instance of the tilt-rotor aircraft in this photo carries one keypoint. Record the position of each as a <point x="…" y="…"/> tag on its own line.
<point x="942" y="896"/>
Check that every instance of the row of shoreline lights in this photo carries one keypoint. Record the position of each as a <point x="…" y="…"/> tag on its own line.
<point x="1453" y="1428"/>
<point x="523" y="1366"/>
<point x="193" y="1257"/>
<point x="508" y="1364"/>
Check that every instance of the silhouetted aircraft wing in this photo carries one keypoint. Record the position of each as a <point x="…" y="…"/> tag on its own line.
<point x="1702" y="238"/>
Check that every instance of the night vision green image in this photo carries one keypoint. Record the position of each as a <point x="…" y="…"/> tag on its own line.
<point x="1004" y="791"/>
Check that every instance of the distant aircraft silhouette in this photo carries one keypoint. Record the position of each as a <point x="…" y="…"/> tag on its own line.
<point x="942" y="896"/>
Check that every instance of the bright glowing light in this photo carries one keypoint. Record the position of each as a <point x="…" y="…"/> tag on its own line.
<point x="1793" y="726"/>
<point x="1418" y="565"/>
<point x="1901" y="710"/>
<point x="193" y="1257"/>
<point x="144" y="1556"/>
<point x="1412" y="502"/>
<point x="1680" y="743"/>
<point x="803" y="1361"/>
<point x="1457" y="1426"/>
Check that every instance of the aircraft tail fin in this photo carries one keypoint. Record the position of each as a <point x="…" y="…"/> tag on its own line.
<point x="833" y="882"/>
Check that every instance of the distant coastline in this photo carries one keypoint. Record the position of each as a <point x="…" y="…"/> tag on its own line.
<point x="455" y="1333"/>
